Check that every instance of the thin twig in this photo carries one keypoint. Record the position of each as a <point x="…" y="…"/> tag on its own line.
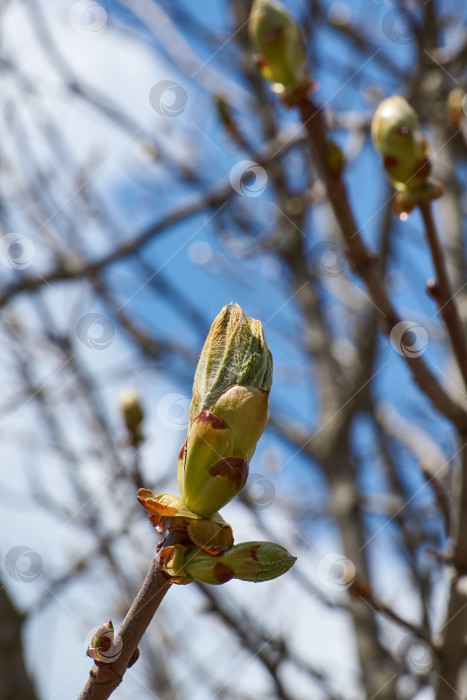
<point x="380" y="607"/>
<point x="105" y="678"/>
<point x="442" y="293"/>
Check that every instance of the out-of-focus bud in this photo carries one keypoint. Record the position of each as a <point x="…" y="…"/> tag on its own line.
<point x="406" y="200"/>
<point x="227" y="119"/>
<point x="228" y="412"/>
<point x="454" y="105"/>
<point x="335" y="158"/>
<point x="281" y="55"/>
<point x="396" y="135"/>
<point x="249" y="561"/>
<point x="167" y="512"/>
<point x="130" y="406"/>
<point x="104" y="647"/>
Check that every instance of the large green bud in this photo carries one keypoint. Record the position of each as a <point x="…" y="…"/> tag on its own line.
<point x="396" y="135"/>
<point x="276" y="37"/>
<point x="228" y="412"/>
<point x="249" y="561"/>
<point x="235" y="352"/>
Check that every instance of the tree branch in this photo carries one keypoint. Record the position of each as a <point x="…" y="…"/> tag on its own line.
<point x="441" y="291"/>
<point x="105" y="678"/>
<point x="365" y="263"/>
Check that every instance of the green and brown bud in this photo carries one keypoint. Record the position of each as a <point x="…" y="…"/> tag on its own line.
<point x="406" y="200"/>
<point x="396" y="135"/>
<point x="171" y="562"/>
<point x="167" y="512"/>
<point x="132" y="411"/>
<point x="249" y="561"/>
<point x="281" y="55"/>
<point x="228" y="412"/>
<point x="209" y="476"/>
<point x="235" y="352"/>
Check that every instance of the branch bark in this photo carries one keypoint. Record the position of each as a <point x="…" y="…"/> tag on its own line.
<point x="105" y="678"/>
<point x="14" y="678"/>
<point x="441" y="290"/>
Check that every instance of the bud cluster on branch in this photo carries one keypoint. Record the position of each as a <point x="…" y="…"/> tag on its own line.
<point x="281" y="57"/>
<point x="397" y="136"/>
<point x="280" y="50"/>
<point x="228" y="414"/>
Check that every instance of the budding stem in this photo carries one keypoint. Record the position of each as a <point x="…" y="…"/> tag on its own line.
<point x="105" y="678"/>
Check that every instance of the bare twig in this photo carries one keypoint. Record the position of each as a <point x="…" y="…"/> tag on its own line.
<point x="380" y="607"/>
<point x="441" y="291"/>
<point x="105" y="678"/>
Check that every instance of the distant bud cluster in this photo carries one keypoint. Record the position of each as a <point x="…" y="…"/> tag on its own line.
<point x="280" y="50"/>
<point x="396" y="134"/>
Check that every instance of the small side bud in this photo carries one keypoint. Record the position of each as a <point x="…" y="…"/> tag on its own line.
<point x="171" y="562"/>
<point x="281" y="55"/>
<point x="132" y="411"/>
<point x="105" y="647"/>
<point x="168" y="512"/>
<point x="249" y="561"/>
<point x="406" y="200"/>
<point x="210" y="536"/>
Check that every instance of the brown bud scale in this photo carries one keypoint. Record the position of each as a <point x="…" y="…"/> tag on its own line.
<point x="213" y="420"/>
<point x="234" y="469"/>
<point x="223" y="573"/>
